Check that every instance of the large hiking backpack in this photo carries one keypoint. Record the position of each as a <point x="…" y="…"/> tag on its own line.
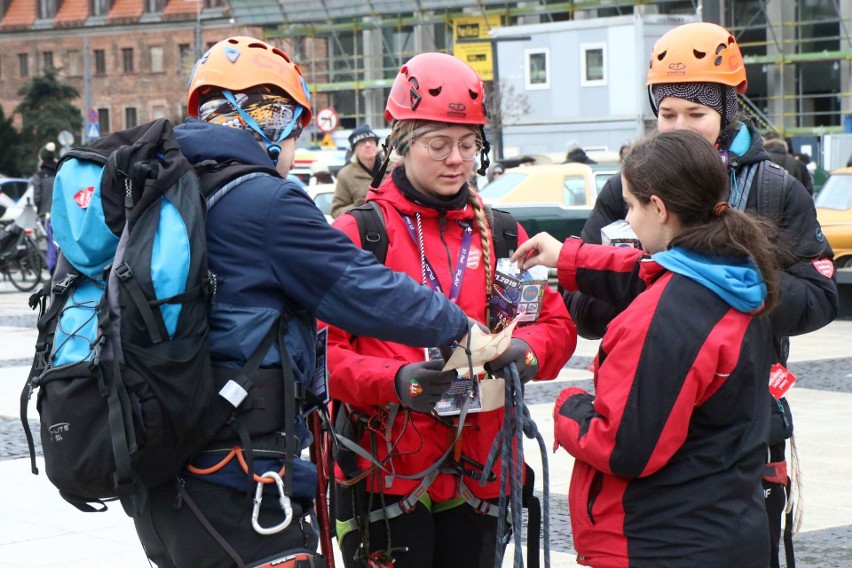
<point x="126" y="391"/>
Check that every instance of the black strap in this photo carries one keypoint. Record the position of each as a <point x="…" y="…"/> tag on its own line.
<point x="772" y="182"/>
<point x="184" y="494"/>
<point x="504" y="232"/>
<point x="371" y="226"/>
<point x="788" y="529"/>
<point x="291" y="395"/>
<point x="374" y="237"/>
<point x="533" y="506"/>
<point x="131" y="284"/>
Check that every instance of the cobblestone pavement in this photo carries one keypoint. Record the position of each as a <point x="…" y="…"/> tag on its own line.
<point x="828" y="548"/>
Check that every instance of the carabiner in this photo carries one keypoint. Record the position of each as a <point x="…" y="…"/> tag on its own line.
<point x="282" y="498"/>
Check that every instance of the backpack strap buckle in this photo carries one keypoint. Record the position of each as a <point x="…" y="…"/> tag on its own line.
<point x="282" y="499"/>
<point x="123" y="271"/>
<point x="62" y="286"/>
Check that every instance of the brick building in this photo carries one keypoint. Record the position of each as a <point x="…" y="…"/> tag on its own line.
<point x="130" y="60"/>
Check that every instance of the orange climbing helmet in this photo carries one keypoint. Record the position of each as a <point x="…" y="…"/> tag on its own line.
<point x="698" y="52"/>
<point x="438" y="87"/>
<point x="239" y="63"/>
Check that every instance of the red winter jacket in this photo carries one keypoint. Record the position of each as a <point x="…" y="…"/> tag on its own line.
<point x="669" y="451"/>
<point x="362" y="369"/>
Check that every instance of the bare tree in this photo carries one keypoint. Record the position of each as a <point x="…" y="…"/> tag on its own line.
<point x="505" y="107"/>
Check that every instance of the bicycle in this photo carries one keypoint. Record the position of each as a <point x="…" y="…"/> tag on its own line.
<point x="21" y="262"/>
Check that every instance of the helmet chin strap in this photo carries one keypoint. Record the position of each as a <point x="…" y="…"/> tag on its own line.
<point x="272" y="148"/>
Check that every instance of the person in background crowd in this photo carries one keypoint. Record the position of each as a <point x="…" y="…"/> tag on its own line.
<point x="669" y="451"/>
<point x="42" y="182"/>
<point x="353" y="179"/>
<point x="702" y="96"/>
<point x="779" y="153"/>
<point x="275" y="257"/>
<point x="576" y="154"/>
<point x="439" y="232"/>
<point x="494" y="172"/>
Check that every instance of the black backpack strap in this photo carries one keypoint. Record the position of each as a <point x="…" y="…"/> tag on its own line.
<point x="371" y="226"/>
<point x="504" y="232"/>
<point x="772" y="182"/>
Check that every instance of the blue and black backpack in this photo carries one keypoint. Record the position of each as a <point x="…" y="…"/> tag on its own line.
<point x="126" y="391"/>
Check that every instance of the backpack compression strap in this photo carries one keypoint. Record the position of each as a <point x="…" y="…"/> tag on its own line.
<point x="772" y="181"/>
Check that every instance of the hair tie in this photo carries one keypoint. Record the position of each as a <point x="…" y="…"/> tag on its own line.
<point x="720" y="208"/>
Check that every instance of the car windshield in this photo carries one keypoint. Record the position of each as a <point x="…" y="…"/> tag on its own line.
<point x="498" y="188"/>
<point x="836" y="193"/>
<point x="601" y="179"/>
<point x="323" y="201"/>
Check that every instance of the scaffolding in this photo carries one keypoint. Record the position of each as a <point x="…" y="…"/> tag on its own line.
<point x="798" y="54"/>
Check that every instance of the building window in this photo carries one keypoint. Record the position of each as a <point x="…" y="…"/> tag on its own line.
<point x="99" y="7"/>
<point x="47" y="59"/>
<point x="23" y="65"/>
<point x="72" y="63"/>
<point x="127" y="59"/>
<point x="47" y="9"/>
<point x="130" y="119"/>
<point x="154" y="6"/>
<point x="103" y="120"/>
<point x="593" y="64"/>
<point x="537" y="68"/>
<point x="100" y="62"/>
<point x="156" y="54"/>
<point x="186" y="59"/>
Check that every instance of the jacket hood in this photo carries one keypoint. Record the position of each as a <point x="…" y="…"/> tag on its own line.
<point x="201" y="141"/>
<point x="737" y="282"/>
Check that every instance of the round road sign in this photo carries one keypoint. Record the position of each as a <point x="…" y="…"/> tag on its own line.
<point x="327" y="119"/>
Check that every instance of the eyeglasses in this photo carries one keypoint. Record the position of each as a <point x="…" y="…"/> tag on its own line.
<point x="440" y="148"/>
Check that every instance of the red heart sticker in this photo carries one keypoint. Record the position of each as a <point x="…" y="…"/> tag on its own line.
<point x="84" y="197"/>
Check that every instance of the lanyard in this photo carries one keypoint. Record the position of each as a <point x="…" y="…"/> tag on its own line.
<point x="429" y="276"/>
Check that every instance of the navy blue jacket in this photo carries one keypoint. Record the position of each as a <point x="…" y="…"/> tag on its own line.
<point x="272" y="250"/>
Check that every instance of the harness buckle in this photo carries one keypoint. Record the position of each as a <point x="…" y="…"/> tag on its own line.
<point x="282" y="499"/>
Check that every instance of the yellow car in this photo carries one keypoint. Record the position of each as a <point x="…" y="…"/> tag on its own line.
<point x="834" y="211"/>
<point x="556" y="198"/>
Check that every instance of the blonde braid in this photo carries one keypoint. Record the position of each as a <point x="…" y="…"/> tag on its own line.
<point x="482" y="224"/>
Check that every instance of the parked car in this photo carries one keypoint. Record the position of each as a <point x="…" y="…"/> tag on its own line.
<point x="556" y="198"/>
<point x="323" y="195"/>
<point x="834" y="211"/>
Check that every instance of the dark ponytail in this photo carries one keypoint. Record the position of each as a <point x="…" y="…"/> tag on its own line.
<point x="685" y="172"/>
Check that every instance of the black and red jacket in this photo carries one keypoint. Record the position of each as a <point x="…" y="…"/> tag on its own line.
<point x="669" y="451"/>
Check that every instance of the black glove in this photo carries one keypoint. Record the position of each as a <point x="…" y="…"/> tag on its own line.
<point x="521" y="355"/>
<point x="420" y="385"/>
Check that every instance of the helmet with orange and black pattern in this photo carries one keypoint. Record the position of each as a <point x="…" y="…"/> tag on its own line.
<point x="243" y="82"/>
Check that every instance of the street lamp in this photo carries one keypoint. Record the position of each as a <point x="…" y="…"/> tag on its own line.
<point x="197" y="27"/>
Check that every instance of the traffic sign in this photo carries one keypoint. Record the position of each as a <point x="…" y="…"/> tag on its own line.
<point x="65" y="138"/>
<point x="94" y="132"/>
<point x="327" y="119"/>
<point x="93" y="115"/>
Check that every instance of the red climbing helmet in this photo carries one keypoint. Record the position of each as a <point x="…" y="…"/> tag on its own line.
<point x="438" y="87"/>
